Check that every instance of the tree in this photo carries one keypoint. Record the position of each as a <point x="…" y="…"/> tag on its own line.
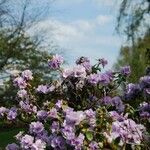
<point x="18" y="49"/>
<point x="133" y="23"/>
<point x="137" y="58"/>
<point x="133" y="18"/>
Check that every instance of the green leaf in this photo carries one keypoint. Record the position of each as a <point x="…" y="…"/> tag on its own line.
<point x="89" y="135"/>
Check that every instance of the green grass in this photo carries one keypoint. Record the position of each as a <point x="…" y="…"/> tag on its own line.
<point x="7" y="136"/>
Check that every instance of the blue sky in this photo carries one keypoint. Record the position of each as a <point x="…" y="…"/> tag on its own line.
<point x="84" y="28"/>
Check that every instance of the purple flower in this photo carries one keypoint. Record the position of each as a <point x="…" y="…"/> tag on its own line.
<point x="53" y="113"/>
<point x="75" y="117"/>
<point x="67" y="72"/>
<point x="145" y="82"/>
<point x="43" y="89"/>
<point x="67" y="110"/>
<point x="24" y="105"/>
<point x="27" y="75"/>
<point x="12" y="146"/>
<point x="36" y="127"/>
<point x="128" y="131"/>
<point x="12" y="114"/>
<point x="54" y="126"/>
<point x="59" y="104"/>
<point x="115" y="102"/>
<point x="82" y="60"/>
<point x="93" y="79"/>
<point x="106" y="100"/>
<point x="91" y="117"/>
<point x="78" y="142"/>
<point x="117" y="116"/>
<point x="104" y="78"/>
<point x="93" y="146"/>
<point x="20" y="82"/>
<point x="39" y="145"/>
<point x="125" y="70"/>
<point x="90" y="113"/>
<point x="110" y="75"/>
<point x="144" y="110"/>
<point x="55" y="61"/>
<point x="43" y="136"/>
<point x="132" y="90"/>
<point x="87" y="66"/>
<point x="68" y="132"/>
<point x="85" y="62"/>
<point x="103" y="61"/>
<point x="42" y="115"/>
<point x="79" y="71"/>
<point x="58" y="142"/>
<point x="26" y="141"/>
<point x="29" y="108"/>
<point x="22" y="94"/>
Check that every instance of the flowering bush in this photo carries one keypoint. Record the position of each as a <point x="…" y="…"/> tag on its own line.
<point x="82" y="109"/>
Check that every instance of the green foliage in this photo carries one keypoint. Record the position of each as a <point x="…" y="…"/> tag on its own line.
<point x="133" y="22"/>
<point x="18" y="51"/>
<point x="136" y="56"/>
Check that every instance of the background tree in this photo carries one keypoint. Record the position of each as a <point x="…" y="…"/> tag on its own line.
<point x="133" y="23"/>
<point x="138" y="59"/>
<point x="18" y="49"/>
<point x="133" y="18"/>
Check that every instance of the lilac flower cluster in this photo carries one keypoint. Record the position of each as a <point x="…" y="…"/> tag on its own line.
<point x="132" y="91"/>
<point x="103" y="61"/>
<point x="28" y="142"/>
<point x="77" y="72"/>
<point x="27" y="107"/>
<point x="55" y="62"/>
<point x="85" y="62"/>
<point x="126" y="71"/>
<point x="127" y="131"/>
<point x="115" y="102"/>
<point x="63" y="134"/>
<point x="21" y="81"/>
<point x="11" y="113"/>
<point x="144" y="110"/>
<point x="145" y="85"/>
<point x="135" y="90"/>
<point x="101" y="78"/>
<point x="83" y="111"/>
<point x="45" y="89"/>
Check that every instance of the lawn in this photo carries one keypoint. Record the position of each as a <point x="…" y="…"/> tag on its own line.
<point x="7" y="136"/>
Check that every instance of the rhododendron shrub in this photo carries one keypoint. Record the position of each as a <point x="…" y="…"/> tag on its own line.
<point x="81" y="109"/>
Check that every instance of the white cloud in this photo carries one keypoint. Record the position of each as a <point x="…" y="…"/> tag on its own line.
<point x="103" y="19"/>
<point x="83" y="25"/>
<point x="78" y="29"/>
<point x="80" y="37"/>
